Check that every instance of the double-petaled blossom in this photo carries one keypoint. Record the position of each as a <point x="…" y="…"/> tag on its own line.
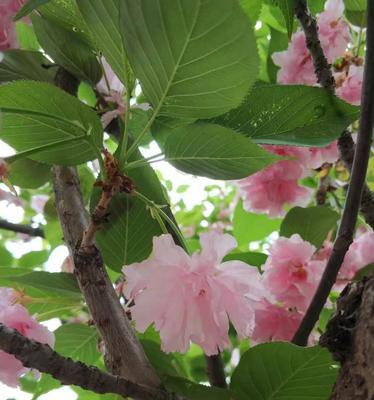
<point x="296" y="64"/>
<point x="15" y="316"/>
<point x="271" y="189"/>
<point x="193" y="298"/>
<point x="274" y="322"/>
<point x="290" y="272"/>
<point x="8" y="9"/>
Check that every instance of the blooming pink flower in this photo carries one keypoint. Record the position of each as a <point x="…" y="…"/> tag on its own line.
<point x="290" y="273"/>
<point x="350" y="89"/>
<point x="8" y="9"/>
<point x="273" y="322"/>
<point x="270" y="189"/>
<point x="295" y="63"/>
<point x="192" y="298"/>
<point x="309" y="157"/>
<point x="16" y="317"/>
<point x="333" y="30"/>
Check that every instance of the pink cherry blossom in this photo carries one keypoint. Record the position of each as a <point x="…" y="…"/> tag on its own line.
<point x="192" y="298"/>
<point x="16" y="317"/>
<point x="273" y="322"/>
<point x="290" y="273"/>
<point x="8" y="9"/>
<point x="295" y="63"/>
<point x="271" y="189"/>
<point x="350" y="89"/>
<point x="333" y="30"/>
<point x="309" y="157"/>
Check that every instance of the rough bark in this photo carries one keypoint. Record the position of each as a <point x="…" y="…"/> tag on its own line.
<point x="349" y="337"/>
<point x="123" y="353"/>
<point x="39" y="356"/>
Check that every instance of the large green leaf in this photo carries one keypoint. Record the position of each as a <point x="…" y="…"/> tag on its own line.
<point x="194" y="58"/>
<point x="313" y="223"/>
<point x="215" y="152"/>
<point x="290" y="114"/>
<point x="102" y="18"/>
<point x="36" y="114"/>
<point x="252" y="8"/>
<point x="67" y="49"/>
<point x="278" y="42"/>
<point x="23" y="64"/>
<point x="78" y="342"/>
<point x="283" y="371"/>
<point x="249" y="257"/>
<point x="249" y="227"/>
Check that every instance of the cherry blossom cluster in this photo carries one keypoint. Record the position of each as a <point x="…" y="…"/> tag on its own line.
<point x="193" y="298"/>
<point x="16" y="316"/>
<point x="270" y="190"/>
<point x="8" y="9"/>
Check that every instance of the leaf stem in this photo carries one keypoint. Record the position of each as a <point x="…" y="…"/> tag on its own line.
<point x="122" y="146"/>
<point x="145" y="161"/>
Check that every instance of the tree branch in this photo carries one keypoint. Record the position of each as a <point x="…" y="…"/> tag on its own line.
<point x="124" y="354"/>
<point x="39" y="356"/>
<point x="326" y="79"/>
<point x="355" y="189"/>
<point x="20" y="228"/>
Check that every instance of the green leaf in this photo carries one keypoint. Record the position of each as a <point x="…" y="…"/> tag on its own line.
<point x="215" y="152"/>
<point x="290" y="114"/>
<point x="33" y="259"/>
<point x="194" y="58"/>
<point x="30" y="6"/>
<point x="67" y="49"/>
<point x="24" y="64"/>
<point x="249" y="227"/>
<point x="194" y="391"/>
<point x="127" y="236"/>
<point x="283" y="371"/>
<point x="355" y="11"/>
<point x="355" y="5"/>
<point x="66" y="13"/>
<point x="78" y="342"/>
<point x="278" y="42"/>
<point x="288" y="9"/>
<point x="6" y="257"/>
<point x="102" y="18"/>
<point x="26" y="37"/>
<point x="250" y="257"/>
<point x="29" y="174"/>
<point x="312" y="223"/>
<point x="55" y="284"/>
<point x="36" y="114"/>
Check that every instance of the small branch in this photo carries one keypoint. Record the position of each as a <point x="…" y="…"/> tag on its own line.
<point x="321" y="65"/>
<point x="215" y="371"/>
<point x="124" y="354"/>
<point x="20" y="228"/>
<point x="41" y="357"/>
<point x="355" y="189"/>
<point x="324" y="185"/>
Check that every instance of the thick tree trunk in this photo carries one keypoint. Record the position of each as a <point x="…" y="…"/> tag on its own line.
<point x="350" y="338"/>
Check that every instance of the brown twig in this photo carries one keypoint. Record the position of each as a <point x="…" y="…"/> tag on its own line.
<point x="356" y="185"/>
<point x="20" y="228"/>
<point x="41" y="357"/>
<point x="215" y="371"/>
<point x="124" y="354"/>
